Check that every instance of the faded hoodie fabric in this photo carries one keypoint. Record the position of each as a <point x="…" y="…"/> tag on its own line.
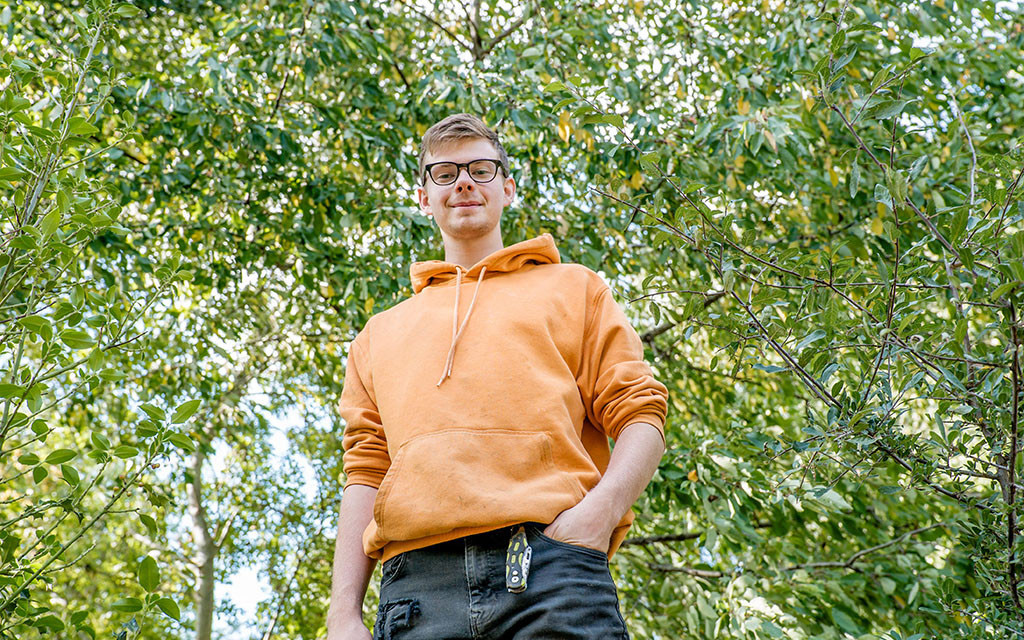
<point x="488" y="397"/>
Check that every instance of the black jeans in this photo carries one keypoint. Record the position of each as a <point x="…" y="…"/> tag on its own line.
<point x="456" y="591"/>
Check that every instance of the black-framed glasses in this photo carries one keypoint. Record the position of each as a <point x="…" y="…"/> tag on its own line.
<point x="446" y="173"/>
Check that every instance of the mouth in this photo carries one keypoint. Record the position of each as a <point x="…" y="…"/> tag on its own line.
<point x="466" y="204"/>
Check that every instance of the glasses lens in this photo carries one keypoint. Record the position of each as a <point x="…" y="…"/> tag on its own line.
<point x="444" y="173"/>
<point x="483" y="170"/>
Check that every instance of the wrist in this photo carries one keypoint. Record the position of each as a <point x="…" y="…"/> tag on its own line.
<point x="343" y="617"/>
<point x="600" y="508"/>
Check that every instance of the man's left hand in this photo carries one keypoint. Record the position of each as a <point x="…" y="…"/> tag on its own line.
<point x="585" y="525"/>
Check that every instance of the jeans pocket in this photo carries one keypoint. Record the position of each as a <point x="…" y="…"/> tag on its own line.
<point x="391" y="569"/>
<point x="593" y="553"/>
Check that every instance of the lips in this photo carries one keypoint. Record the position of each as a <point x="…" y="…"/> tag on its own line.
<point x="467" y="204"/>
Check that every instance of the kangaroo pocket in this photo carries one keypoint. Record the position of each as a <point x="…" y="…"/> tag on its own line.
<point x="462" y="477"/>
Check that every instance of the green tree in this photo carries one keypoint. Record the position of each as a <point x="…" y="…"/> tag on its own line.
<point x="811" y="213"/>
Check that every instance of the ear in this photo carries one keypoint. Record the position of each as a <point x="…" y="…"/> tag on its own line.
<point x="510" y="190"/>
<point x="423" y="201"/>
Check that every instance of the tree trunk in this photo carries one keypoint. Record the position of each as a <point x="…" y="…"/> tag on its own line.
<point x="206" y="548"/>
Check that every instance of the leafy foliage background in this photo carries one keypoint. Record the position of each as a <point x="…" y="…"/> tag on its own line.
<point x="811" y="211"/>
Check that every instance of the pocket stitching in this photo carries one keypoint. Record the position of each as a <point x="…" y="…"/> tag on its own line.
<point x="394" y="568"/>
<point x="384" y="490"/>
<point x="561" y="543"/>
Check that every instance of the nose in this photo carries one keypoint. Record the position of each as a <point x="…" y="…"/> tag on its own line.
<point x="464" y="184"/>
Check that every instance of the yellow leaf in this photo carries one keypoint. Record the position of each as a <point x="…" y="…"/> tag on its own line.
<point x="824" y="128"/>
<point x="833" y="177"/>
<point x="730" y="181"/>
<point x="855" y="72"/>
<point x="679" y="92"/>
<point x="880" y="208"/>
<point x="740" y="161"/>
<point x="636" y="180"/>
<point x="368" y="305"/>
<point x="808" y="103"/>
<point x="891" y="33"/>
<point x="692" y="476"/>
<point x="563" y="126"/>
<point x="743" y="107"/>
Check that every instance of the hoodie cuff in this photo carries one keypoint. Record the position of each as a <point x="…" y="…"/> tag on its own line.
<point x="653" y="419"/>
<point x="366" y="478"/>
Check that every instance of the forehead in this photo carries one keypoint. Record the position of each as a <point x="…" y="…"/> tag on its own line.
<point x="463" y="151"/>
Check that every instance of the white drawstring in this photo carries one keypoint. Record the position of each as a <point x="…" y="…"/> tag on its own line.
<point x="455" y="319"/>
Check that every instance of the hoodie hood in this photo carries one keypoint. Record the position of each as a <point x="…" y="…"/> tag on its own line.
<point x="539" y="250"/>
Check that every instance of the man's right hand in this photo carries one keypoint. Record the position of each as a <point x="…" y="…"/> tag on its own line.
<point x="352" y="568"/>
<point x="348" y="630"/>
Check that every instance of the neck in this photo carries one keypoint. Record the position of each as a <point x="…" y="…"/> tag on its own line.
<point x="467" y="252"/>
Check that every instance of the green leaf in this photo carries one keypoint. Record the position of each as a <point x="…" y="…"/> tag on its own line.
<point x="79" y="126"/>
<point x="127" y="605"/>
<point x="125" y="451"/>
<point x="149" y="523"/>
<point x="1000" y="291"/>
<point x="50" y="222"/>
<point x="146" y="429"/>
<point x="77" y="339"/>
<point x="771" y="629"/>
<point x="770" y="368"/>
<point x="37" y="325"/>
<point x="169" y="607"/>
<point x="149" y="574"/>
<point x="958" y="224"/>
<point x="28" y="459"/>
<point x="554" y="86"/>
<point x="39" y="474"/>
<point x="112" y="375"/>
<point x="182" y="441"/>
<point x="49" y="621"/>
<point x="9" y="174"/>
<point x="844" y="621"/>
<point x="185" y="411"/>
<point x="888" y="109"/>
<point x="648" y="162"/>
<point x="156" y="413"/>
<point x="952" y="379"/>
<point x="70" y="474"/>
<point x="814" y="336"/>
<point x="127" y="11"/>
<point x="11" y="390"/>
<point x="61" y="455"/>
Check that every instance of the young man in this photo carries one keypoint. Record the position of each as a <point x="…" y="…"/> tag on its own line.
<point x="477" y="417"/>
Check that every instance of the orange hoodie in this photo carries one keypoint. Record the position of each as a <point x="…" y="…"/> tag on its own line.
<point x="487" y="398"/>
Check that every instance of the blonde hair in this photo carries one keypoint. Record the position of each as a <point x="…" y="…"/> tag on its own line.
<point x="459" y="126"/>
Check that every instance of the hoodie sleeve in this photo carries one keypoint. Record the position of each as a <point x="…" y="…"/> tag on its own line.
<point x="366" y="457"/>
<point x="616" y="383"/>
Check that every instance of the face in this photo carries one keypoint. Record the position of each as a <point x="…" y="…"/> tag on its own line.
<point x="465" y="210"/>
